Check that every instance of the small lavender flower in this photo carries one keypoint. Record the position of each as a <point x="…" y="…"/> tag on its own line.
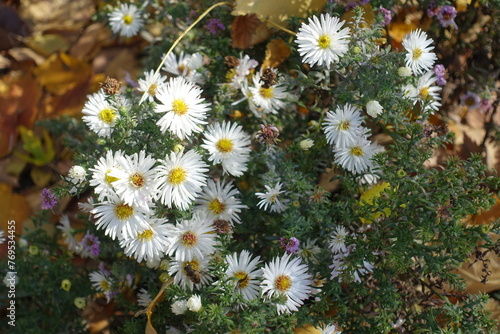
<point x="386" y="14"/>
<point x="446" y="16"/>
<point x="89" y="246"/>
<point x="440" y="72"/>
<point x="214" y="26"/>
<point x="470" y="100"/>
<point x="289" y="245"/>
<point x="49" y="200"/>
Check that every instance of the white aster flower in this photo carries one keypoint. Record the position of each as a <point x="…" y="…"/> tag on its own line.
<point x="135" y="179"/>
<point x="271" y="199"/>
<point x="194" y="303"/>
<point x="150" y="84"/>
<point x="102" y="283"/>
<point x="2" y="236"/>
<point x="343" y="126"/>
<point x="356" y="157"/>
<point x="190" y="274"/>
<point x="150" y="243"/>
<point x="184" y="109"/>
<point x="77" y="174"/>
<point x="229" y="145"/>
<point x="426" y="92"/>
<point x="322" y="41"/>
<point x="264" y="100"/>
<point x="340" y="264"/>
<point x="244" y="273"/>
<point x="192" y="238"/>
<point x="419" y="58"/>
<point x="190" y="67"/>
<point x="308" y="251"/>
<point x="337" y="241"/>
<point x="238" y="75"/>
<point x="373" y="108"/>
<point x="126" y="20"/>
<point x="143" y="298"/>
<point x="179" y="307"/>
<point x="119" y="219"/>
<point x="100" y="116"/>
<point x="181" y="177"/>
<point x="101" y="179"/>
<point x="286" y="277"/>
<point x="67" y="232"/>
<point x="10" y="279"/>
<point x="331" y="329"/>
<point x="220" y="201"/>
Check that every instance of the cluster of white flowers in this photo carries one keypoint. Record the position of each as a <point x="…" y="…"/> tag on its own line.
<point x="420" y="60"/>
<point x="340" y="252"/>
<point x="129" y="187"/>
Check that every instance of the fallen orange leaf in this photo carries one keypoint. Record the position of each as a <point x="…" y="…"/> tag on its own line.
<point x="276" y="52"/>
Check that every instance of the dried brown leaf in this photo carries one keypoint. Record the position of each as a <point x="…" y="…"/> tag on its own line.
<point x="248" y="30"/>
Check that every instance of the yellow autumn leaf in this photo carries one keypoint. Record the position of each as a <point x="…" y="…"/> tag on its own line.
<point x="307" y="329"/>
<point x="277" y="11"/>
<point x="369" y="196"/>
<point x="47" y="44"/>
<point x="61" y="73"/>
<point x="276" y="52"/>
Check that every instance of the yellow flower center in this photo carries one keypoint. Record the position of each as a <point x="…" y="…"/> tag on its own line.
<point x="324" y="42"/>
<point x="273" y="198"/>
<point x="424" y="93"/>
<point x="357" y="151"/>
<point x="225" y="145"/>
<point x="195" y="265"/>
<point x="123" y="211"/>
<point x="152" y="89"/>
<point x="243" y="279"/>
<point x="189" y="239"/>
<point x="417" y="53"/>
<point x="177" y="176"/>
<point x="216" y="207"/>
<point x="469" y="102"/>
<point x="137" y="180"/>
<point x="344" y="125"/>
<point x="146" y="235"/>
<point x="104" y="285"/>
<point x="283" y="283"/>
<point x="107" y="115"/>
<point x="109" y="179"/>
<point x="127" y="19"/>
<point x="179" y="107"/>
<point x="230" y="75"/>
<point x="266" y="93"/>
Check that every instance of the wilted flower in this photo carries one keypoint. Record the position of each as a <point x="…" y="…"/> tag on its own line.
<point x="440" y="72"/>
<point x="386" y="14"/>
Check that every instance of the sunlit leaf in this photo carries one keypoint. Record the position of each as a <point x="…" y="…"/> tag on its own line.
<point x="369" y="196"/>
<point x="61" y="72"/>
<point x="277" y="11"/>
<point x="276" y="52"/>
<point x="47" y="44"/>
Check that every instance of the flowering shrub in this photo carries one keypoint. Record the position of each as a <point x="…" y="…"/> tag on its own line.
<point x="204" y="196"/>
